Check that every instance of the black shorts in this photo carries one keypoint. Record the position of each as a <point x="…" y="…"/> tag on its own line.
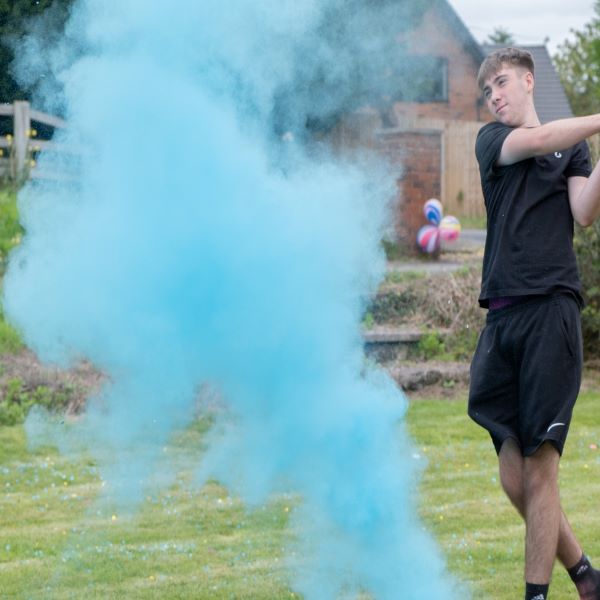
<point x="526" y="372"/>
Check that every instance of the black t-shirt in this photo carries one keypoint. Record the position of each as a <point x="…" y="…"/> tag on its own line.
<point x="529" y="245"/>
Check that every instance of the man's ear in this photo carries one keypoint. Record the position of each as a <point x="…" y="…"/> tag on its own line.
<point x="530" y="81"/>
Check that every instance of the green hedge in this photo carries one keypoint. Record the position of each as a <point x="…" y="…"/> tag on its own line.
<point x="587" y="246"/>
<point x="10" y="235"/>
<point x="10" y="228"/>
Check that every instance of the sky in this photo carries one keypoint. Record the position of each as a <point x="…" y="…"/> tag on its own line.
<point x="529" y="21"/>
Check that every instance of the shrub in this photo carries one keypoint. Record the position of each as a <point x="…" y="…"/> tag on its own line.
<point x="10" y="235"/>
<point x="431" y="345"/>
<point x="393" y="250"/>
<point x="368" y="321"/>
<point x="393" y="305"/>
<point x="16" y="400"/>
<point x="10" y="340"/>
<point x="10" y="228"/>
<point x="587" y="247"/>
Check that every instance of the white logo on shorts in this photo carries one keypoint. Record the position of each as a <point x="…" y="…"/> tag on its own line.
<point x="552" y="427"/>
<point x="539" y="597"/>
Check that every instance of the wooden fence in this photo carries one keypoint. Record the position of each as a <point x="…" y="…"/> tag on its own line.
<point x="19" y="149"/>
<point x="460" y="183"/>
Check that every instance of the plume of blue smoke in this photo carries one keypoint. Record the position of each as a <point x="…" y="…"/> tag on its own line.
<point x="197" y="247"/>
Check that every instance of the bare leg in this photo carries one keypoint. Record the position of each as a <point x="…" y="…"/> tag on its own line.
<point x="542" y="513"/>
<point x="511" y="464"/>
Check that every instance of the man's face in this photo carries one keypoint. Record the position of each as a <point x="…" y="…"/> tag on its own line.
<point x="508" y="94"/>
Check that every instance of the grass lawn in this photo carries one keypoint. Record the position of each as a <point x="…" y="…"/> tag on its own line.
<point x="58" y="542"/>
<point x="462" y="502"/>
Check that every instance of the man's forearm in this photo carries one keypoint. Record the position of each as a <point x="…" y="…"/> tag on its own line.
<point x="584" y="198"/>
<point x="525" y="142"/>
<point x="564" y="133"/>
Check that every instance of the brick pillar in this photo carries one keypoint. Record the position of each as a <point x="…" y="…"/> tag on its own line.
<point x="416" y="156"/>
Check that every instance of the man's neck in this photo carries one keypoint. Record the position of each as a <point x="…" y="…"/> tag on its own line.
<point x="531" y="118"/>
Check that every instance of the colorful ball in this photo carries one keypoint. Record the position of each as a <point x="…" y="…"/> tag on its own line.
<point x="449" y="228"/>
<point x="433" y="211"/>
<point x="428" y="238"/>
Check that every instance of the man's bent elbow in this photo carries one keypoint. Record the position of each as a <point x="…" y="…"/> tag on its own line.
<point x="585" y="220"/>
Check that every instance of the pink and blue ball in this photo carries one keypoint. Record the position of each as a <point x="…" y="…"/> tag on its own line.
<point x="433" y="211"/>
<point x="428" y="238"/>
<point x="449" y="228"/>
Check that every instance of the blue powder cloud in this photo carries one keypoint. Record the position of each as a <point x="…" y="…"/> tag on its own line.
<point x="197" y="247"/>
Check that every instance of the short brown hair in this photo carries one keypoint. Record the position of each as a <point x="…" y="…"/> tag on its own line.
<point x="503" y="56"/>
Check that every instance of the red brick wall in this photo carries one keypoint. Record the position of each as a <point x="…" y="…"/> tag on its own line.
<point x="417" y="157"/>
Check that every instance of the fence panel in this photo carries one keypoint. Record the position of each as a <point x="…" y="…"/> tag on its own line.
<point x="17" y="150"/>
<point x="462" y="186"/>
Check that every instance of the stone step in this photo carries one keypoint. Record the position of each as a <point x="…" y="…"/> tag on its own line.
<point x="391" y="335"/>
<point x="413" y="377"/>
<point x="384" y="343"/>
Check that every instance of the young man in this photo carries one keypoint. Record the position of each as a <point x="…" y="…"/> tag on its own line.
<point x="526" y="371"/>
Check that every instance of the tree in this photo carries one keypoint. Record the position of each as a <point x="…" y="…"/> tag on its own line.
<point x="501" y="36"/>
<point x="16" y="17"/>
<point x="578" y="64"/>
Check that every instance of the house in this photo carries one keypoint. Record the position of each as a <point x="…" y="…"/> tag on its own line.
<point x="430" y="137"/>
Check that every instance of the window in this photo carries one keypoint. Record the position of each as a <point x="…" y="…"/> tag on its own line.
<point x="420" y="79"/>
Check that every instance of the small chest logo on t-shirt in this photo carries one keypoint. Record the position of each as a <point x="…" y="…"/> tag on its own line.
<point x="558" y="155"/>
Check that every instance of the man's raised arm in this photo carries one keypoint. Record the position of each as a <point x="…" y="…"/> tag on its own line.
<point x="526" y="142"/>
